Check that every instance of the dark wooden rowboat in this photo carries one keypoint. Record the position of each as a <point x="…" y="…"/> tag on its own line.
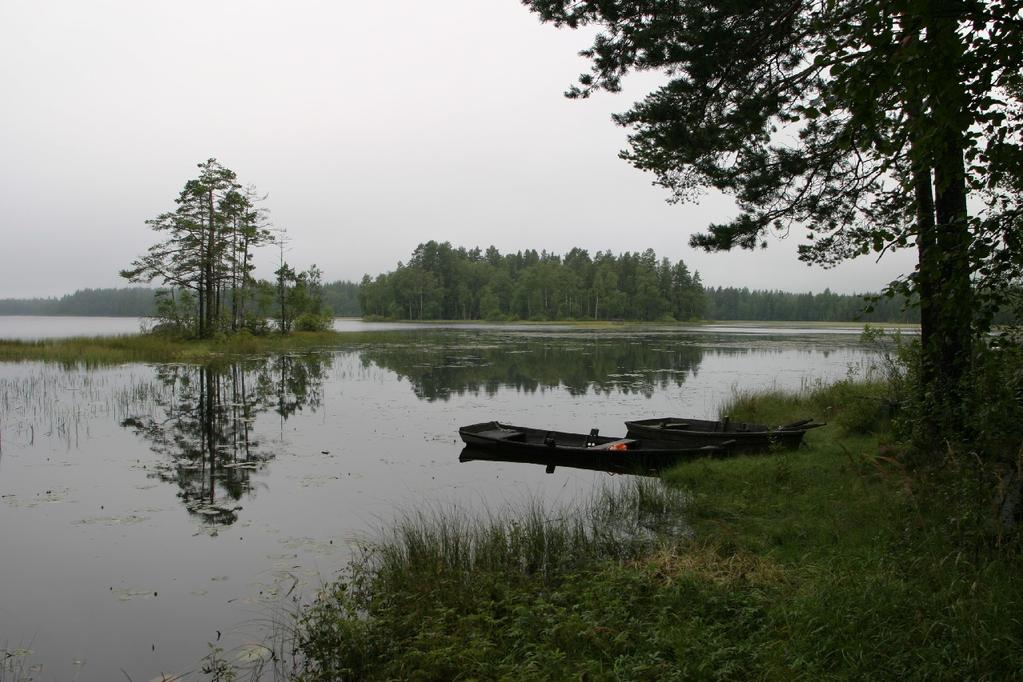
<point x="744" y="437"/>
<point x="505" y="442"/>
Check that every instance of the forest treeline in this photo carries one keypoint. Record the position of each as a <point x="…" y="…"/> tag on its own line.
<point x="341" y="297"/>
<point x="730" y="303"/>
<point x="123" y="301"/>
<point x="443" y="282"/>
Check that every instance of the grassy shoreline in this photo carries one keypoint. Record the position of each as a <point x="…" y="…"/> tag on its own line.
<point x="150" y="348"/>
<point x="825" y="563"/>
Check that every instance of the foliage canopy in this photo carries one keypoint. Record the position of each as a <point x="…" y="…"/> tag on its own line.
<point x="443" y="282"/>
<point x="877" y="126"/>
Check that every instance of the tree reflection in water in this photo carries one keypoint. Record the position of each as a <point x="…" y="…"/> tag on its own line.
<point x="441" y="366"/>
<point x="204" y="425"/>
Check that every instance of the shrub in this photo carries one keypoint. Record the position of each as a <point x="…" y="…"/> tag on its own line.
<point x="311" y="322"/>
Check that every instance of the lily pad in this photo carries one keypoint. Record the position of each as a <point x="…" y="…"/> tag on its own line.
<point x="53" y="496"/>
<point x="253" y="653"/>
<point x="129" y="519"/>
<point x="130" y="593"/>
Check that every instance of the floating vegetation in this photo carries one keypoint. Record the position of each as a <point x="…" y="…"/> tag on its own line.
<point x="207" y="530"/>
<point x="253" y="653"/>
<point x="132" y="593"/>
<point x="53" y="496"/>
<point x="311" y="545"/>
<point x="128" y="520"/>
<point x="317" y="480"/>
<point x="268" y="595"/>
<point x="16" y="664"/>
<point x="212" y="513"/>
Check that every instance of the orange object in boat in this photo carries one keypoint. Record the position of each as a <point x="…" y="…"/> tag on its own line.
<point x="618" y="447"/>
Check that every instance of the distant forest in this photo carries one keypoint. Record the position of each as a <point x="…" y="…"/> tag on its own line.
<point x="742" y="304"/>
<point x="442" y="282"/>
<point x="342" y="297"/>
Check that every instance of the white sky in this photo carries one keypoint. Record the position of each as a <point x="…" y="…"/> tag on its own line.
<point x="373" y="126"/>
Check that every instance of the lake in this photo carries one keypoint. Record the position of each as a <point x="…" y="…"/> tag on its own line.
<point x="148" y="510"/>
<point x="37" y="327"/>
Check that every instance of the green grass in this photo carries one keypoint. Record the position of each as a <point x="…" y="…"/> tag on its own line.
<point x="106" y="350"/>
<point x="826" y="563"/>
<point x="854" y="406"/>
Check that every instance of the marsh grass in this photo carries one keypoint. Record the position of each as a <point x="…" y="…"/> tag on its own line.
<point x="535" y="543"/>
<point x="452" y="591"/>
<point x="854" y="406"/>
<point x="53" y="403"/>
<point x="108" y="350"/>
<point x="18" y="665"/>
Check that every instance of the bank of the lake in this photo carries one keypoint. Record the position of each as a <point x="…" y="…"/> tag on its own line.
<point x="120" y="348"/>
<point x="832" y="562"/>
<point x="157" y="348"/>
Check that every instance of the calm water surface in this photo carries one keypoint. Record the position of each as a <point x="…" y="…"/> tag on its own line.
<point x="37" y="327"/>
<point x="34" y="327"/>
<point x="146" y="510"/>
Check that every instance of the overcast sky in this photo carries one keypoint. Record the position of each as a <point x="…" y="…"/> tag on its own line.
<point x="373" y="126"/>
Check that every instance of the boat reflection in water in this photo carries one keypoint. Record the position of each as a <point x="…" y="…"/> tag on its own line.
<point x="553" y="461"/>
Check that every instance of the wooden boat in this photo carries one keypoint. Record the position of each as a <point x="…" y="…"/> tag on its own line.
<point x="494" y="440"/>
<point x="744" y="437"/>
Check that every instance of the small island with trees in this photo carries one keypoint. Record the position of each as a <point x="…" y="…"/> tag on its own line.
<point x="205" y="262"/>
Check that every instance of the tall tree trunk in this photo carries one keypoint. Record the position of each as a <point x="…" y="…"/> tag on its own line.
<point x="245" y="280"/>
<point x="200" y="313"/>
<point x="234" y="276"/>
<point x="927" y="283"/>
<point x="211" y="307"/>
<point x="948" y="345"/>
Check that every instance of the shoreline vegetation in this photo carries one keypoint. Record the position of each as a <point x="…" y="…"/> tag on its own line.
<point x="161" y="348"/>
<point x="343" y="298"/>
<point x="831" y="562"/>
<point x="98" y="350"/>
